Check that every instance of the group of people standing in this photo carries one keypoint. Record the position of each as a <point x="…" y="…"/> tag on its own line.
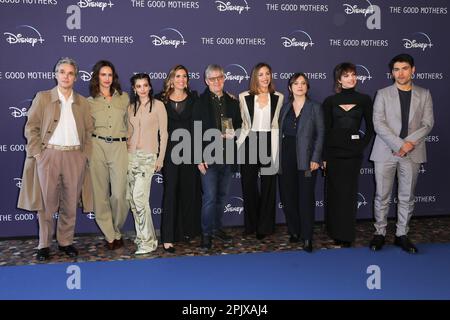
<point x="106" y="149"/>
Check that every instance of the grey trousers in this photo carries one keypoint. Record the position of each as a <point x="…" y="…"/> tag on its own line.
<point x="407" y="172"/>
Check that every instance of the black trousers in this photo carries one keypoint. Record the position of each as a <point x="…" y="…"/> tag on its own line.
<point x="259" y="203"/>
<point x="181" y="214"/>
<point x="341" y="197"/>
<point x="296" y="192"/>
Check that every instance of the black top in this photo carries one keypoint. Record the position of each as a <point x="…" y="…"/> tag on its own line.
<point x="178" y="106"/>
<point x="405" y="102"/>
<point x="291" y="123"/>
<point x="343" y="138"/>
<point x="181" y="120"/>
<point x="219" y="109"/>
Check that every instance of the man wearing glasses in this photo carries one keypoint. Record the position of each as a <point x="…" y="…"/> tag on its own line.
<point x="58" y="133"/>
<point x="218" y="114"/>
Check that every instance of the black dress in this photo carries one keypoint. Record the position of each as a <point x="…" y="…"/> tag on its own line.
<point x="182" y="194"/>
<point x="343" y="151"/>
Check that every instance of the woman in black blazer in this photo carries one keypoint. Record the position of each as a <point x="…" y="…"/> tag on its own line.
<point x="260" y="108"/>
<point x="180" y="219"/>
<point x="301" y="140"/>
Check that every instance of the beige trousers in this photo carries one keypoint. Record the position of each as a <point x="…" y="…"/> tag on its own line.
<point x="141" y="167"/>
<point x="61" y="175"/>
<point x="108" y="168"/>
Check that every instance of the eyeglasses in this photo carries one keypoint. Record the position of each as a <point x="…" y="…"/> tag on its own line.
<point x="218" y="79"/>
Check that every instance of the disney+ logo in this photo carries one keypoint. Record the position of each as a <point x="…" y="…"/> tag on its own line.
<point x="19" y="38"/>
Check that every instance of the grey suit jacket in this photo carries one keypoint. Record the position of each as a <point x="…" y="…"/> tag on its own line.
<point x="388" y="123"/>
<point x="310" y="134"/>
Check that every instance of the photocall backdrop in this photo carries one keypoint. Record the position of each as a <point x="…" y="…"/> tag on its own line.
<point x="152" y="36"/>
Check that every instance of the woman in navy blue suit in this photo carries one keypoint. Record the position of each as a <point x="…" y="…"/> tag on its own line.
<point x="301" y="140"/>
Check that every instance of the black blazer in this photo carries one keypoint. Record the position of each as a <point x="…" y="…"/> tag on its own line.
<point x="203" y="112"/>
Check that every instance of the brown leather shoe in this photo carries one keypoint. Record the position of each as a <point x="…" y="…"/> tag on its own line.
<point x="118" y="243"/>
<point x="109" y="245"/>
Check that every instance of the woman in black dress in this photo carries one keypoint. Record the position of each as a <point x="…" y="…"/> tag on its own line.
<point x="343" y="151"/>
<point x="180" y="219"/>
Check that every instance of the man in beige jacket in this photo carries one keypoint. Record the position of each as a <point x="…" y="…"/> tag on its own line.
<point x="58" y="133"/>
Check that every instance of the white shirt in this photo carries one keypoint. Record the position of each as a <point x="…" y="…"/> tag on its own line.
<point x="261" y="116"/>
<point x="66" y="133"/>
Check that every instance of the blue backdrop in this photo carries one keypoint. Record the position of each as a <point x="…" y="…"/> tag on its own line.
<point x="152" y="36"/>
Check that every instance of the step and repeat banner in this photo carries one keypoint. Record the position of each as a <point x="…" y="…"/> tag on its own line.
<point x="311" y="36"/>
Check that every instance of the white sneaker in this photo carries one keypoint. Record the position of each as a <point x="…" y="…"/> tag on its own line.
<point x="142" y="251"/>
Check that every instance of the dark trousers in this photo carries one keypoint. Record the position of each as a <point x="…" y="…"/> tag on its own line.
<point x="215" y="186"/>
<point x="341" y="197"/>
<point x="296" y="192"/>
<point x="259" y="203"/>
<point x="181" y="202"/>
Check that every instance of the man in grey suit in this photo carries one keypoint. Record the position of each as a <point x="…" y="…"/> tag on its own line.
<point x="402" y="118"/>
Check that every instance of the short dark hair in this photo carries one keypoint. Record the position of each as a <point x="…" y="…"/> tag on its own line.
<point x="339" y="70"/>
<point x="403" y="57"/>
<point x="294" y="78"/>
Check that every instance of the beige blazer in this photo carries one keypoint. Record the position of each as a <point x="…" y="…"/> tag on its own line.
<point x="43" y="117"/>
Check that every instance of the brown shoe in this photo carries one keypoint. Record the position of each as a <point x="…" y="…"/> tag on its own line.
<point x="109" y="245"/>
<point x="118" y="243"/>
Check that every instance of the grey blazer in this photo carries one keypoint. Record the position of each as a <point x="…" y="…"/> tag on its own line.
<point x="388" y="123"/>
<point x="310" y="134"/>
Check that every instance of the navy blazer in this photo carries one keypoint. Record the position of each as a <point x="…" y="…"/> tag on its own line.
<point x="310" y="134"/>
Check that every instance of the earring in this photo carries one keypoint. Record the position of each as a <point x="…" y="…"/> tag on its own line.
<point x="171" y="85"/>
<point x="135" y="92"/>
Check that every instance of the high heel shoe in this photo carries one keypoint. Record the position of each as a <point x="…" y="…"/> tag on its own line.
<point x="169" y="249"/>
<point x="294" y="238"/>
<point x="307" y="246"/>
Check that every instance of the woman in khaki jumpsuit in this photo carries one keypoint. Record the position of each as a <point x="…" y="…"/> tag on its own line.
<point x="109" y="163"/>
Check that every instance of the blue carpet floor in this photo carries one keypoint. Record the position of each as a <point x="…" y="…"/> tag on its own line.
<point x="325" y="274"/>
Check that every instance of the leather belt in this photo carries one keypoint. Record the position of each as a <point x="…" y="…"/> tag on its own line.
<point x="110" y="139"/>
<point x="63" y="148"/>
